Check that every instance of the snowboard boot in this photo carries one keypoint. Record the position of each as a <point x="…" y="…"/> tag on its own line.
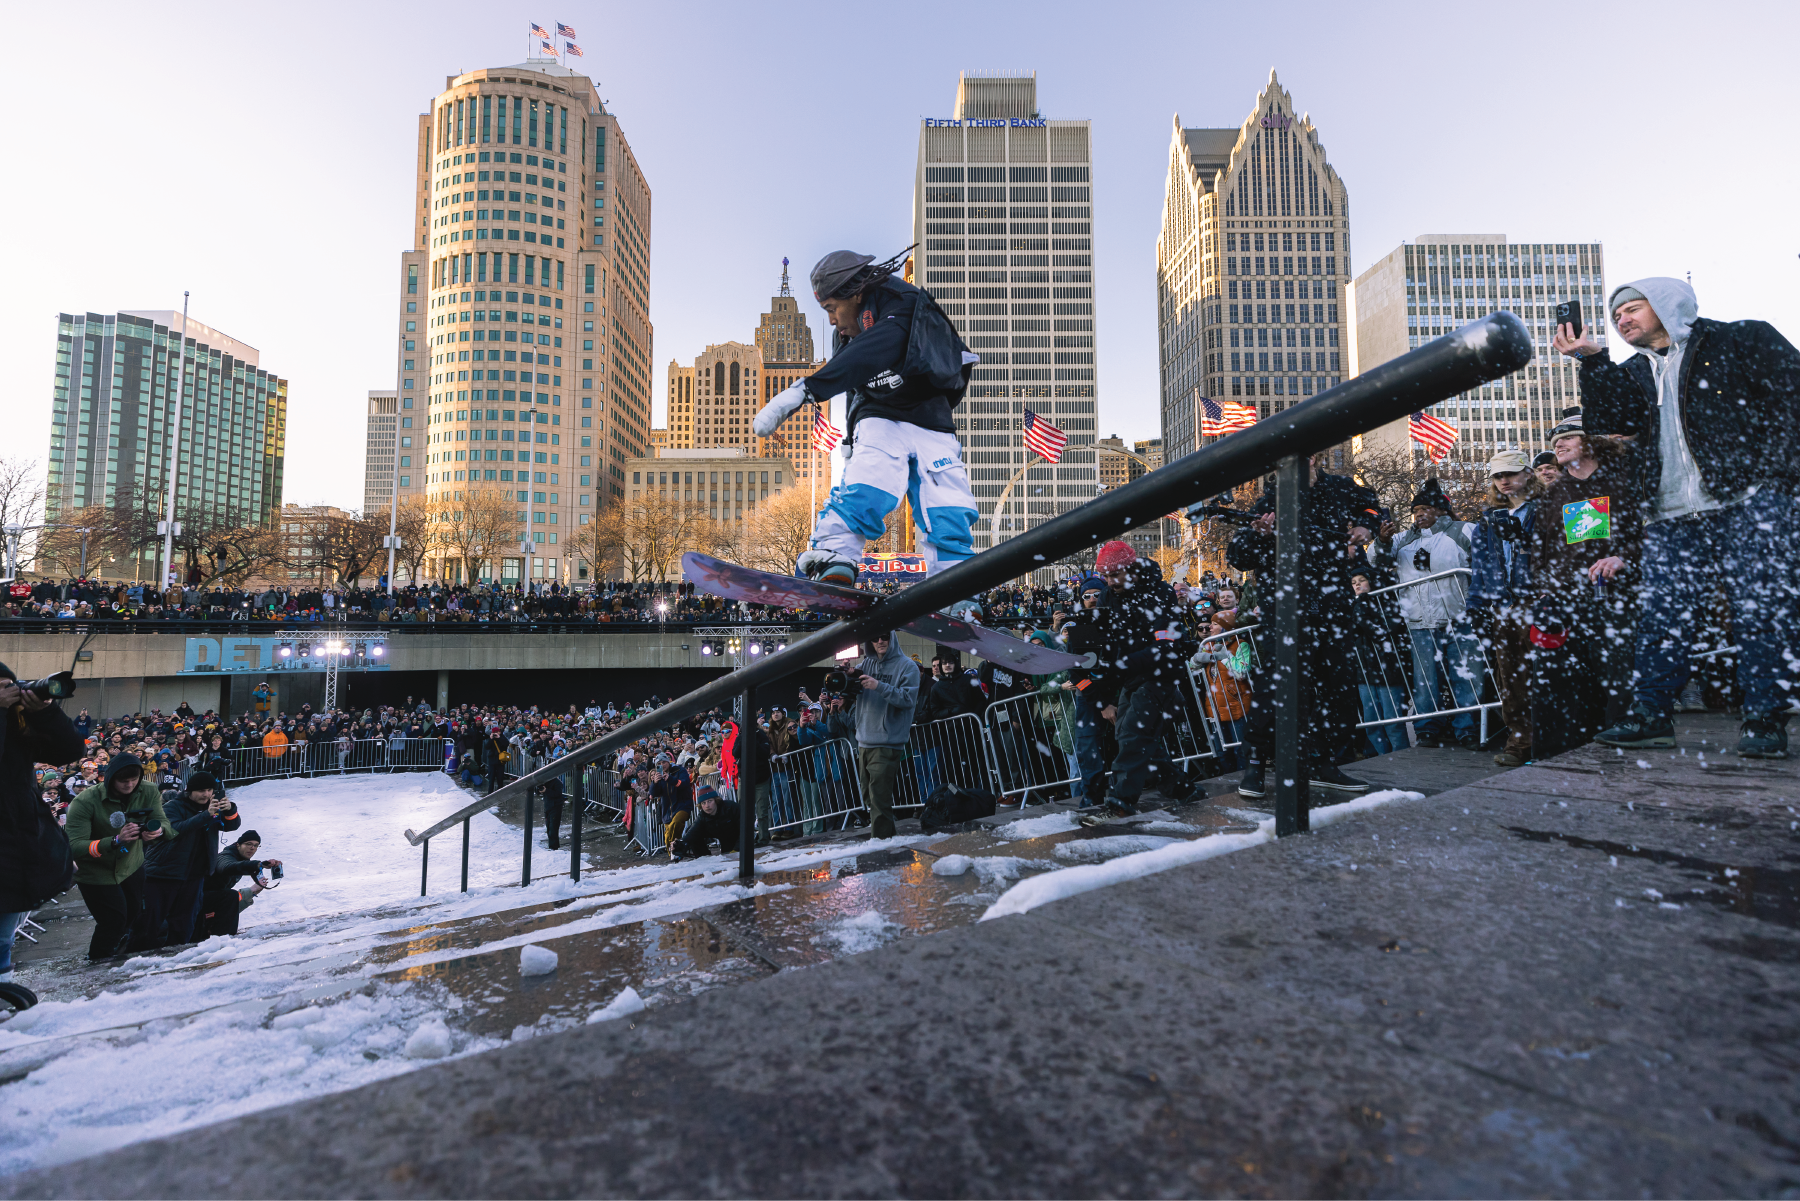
<point x="827" y="567"/>
<point x="1640" y="729"/>
<point x="1764" y="736"/>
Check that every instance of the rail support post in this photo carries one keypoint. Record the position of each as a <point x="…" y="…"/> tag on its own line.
<point x="424" y="864"/>
<point x="465" y="855"/>
<point x="747" y="772"/>
<point x="580" y="809"/>
<point x="530" y="817"/>
<point x="1291" y="785"/>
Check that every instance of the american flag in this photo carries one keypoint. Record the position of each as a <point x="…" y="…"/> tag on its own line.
<point x="547" y="48"/>
<point x="538" y="31"/>
<point x="1436" y="436"/>
<point x="1221" y="417"/>
<point x="564" y="31"/>
<point x="1044" y="439"/>
<point x="825" y="436"/>
<point x="572" y="48"/>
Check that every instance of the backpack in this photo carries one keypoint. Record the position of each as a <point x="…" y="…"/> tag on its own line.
<point x="934" y="351"/>
<point x="951" y="805"/>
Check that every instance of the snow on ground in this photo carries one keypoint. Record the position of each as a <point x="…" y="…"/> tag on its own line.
<point x="854" y="935"/>
<point x="1036" y="827"/>
<point x="341" y="840"/>
<point x="1094" y="850"/>
<point x="1054" y="886"/>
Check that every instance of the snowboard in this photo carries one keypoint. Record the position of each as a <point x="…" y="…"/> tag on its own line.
<point x="734" y="582"/>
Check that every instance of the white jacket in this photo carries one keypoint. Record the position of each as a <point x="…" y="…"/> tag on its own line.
<point x="1433" y="604"/>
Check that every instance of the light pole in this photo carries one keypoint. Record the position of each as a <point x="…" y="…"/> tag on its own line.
<point x="168" y="528"/>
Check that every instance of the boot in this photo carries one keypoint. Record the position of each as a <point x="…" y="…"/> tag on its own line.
<point x="1640" y="729"/>
<point x="1764" y="736"/>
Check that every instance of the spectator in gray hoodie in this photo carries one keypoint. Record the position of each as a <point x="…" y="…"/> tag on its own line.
<point x="884" y="718"/>
<point x="1714" y="407"/>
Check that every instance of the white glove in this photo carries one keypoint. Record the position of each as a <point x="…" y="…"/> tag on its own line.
<point x="779" y="409"/>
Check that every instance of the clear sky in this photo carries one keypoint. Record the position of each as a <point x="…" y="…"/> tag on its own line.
<point x="261" y="155"/>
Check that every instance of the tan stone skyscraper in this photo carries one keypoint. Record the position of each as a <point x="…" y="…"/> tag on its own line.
<point x="525" y="307"/>
<point x="1254" y="249"/>
<point x="786" y="341"/>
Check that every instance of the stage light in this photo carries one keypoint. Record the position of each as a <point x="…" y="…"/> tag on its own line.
<point x="706" y="648"/>
<point x="378" y="650"/>
<point x="755" y="648"/>
<point x="285" y="650"/>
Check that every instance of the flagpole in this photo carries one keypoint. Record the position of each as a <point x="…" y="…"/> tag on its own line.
<point x="1000" y="505"/>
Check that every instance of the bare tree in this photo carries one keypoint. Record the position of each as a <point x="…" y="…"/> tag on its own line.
<point x="337" y="547"/>
<point x="780" y="531"/>
<point x="22" y="502"/>
<point x="644" y="537"/>
<point x="413" y="525"/>
<point x="1396" y="475"/>
<point x="476" y="529"/>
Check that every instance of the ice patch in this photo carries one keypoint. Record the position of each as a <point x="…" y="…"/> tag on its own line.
<point x="1036" y="827"/>
<point x="536" y="961"/>
<point x="864" y="932"/>
<point x="623" y="1005"/>
<point x="1093" y="850"/>
<point x="1054" y="886"/>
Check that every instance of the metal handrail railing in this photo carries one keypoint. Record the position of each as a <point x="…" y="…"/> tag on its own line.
<point x="1473" y="355"/>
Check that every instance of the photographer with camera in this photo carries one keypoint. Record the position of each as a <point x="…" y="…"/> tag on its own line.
<point x="887" y="691"/>
<point x="1500" y="592"/>
<point x="1435" y="608"/>
<point x="1585" y="557"/>
<point x="108" y="827"/>
<point x="221" y="901"/>
<point x="34" y="851"/>
<point x="714" y="818"/>
<point x="175" y="868"/>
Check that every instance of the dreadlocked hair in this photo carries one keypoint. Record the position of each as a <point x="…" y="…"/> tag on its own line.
<point x="874" y="273"/>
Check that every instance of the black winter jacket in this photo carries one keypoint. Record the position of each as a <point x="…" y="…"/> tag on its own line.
<point x="1145" y="633"/>
<point x="189" y="855"/>
<point x="34" y="852"/>
<point x="1740" y="408"/>
<point x="869" y="366"/>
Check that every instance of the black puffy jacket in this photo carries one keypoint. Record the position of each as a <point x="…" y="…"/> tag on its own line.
<point x="34" y="852"/>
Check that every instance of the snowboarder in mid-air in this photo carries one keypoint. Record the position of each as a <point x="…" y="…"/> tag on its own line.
<point x="902" y="366"/>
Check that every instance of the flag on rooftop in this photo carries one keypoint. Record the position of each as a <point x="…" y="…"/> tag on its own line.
<point x="547" y="48"/>
<point x="1221" y="417"/>
<point x="825" y="436"/>
<point x="538" y="31"/>
<point x="572" y="48"/>
<point x="1436" y="436"/>
<point x="1044" y="439"/>
<point x="565" y="31"/>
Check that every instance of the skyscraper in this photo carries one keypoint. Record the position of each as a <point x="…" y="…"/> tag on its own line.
<point x="1003" y="208"/>
<point x="785" y="338"/>
<point x="1425" y="289"/>
<point x="383" y="424"/>
<point x="1255" y="243"/>
<point x="113" y="404"/>
<point x="528" y="156"/>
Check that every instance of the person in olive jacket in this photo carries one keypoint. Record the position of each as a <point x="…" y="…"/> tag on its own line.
<point x="174" y="869"/>
<point x="109" y="859"/>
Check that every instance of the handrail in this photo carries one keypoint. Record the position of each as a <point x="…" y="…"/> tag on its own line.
<point x="1478" y="352"/>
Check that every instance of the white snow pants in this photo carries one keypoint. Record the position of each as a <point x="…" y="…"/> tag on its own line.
<point x="892" y="459"/>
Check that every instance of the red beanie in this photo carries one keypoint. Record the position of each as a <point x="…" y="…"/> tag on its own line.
<point x="1114" y="555"/>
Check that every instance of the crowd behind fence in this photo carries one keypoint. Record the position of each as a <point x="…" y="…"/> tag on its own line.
<point x="336" y="757"/>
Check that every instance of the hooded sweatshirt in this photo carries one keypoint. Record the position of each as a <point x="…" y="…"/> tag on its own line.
<point x="1682" y="491"/>
<point x="884" y="713"/>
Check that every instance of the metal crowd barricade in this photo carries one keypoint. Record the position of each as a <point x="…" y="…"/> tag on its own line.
<point x="816" y="787"/>
<point x="1391" y="658"/>
<point x="1032" y="742"/>
<point x="1221" y="682"/>
<point x="955" y="751"/>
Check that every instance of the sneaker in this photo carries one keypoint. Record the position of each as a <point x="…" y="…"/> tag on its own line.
<point x="1331" y="779"/>
<point x="1640" y="729"/>
<point x="1251" y="785"/>
<point x="1431" y="741"/>
<point x="827" y="567"/>
<point x="1763" y="737"/>
<point x="1689" y="701"/>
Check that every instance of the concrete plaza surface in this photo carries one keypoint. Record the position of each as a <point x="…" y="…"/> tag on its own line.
<point x="1579" y="978"/>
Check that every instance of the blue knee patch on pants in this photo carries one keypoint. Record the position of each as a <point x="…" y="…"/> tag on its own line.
<point x="950" y="531"/>
<point x="863" y="507"/>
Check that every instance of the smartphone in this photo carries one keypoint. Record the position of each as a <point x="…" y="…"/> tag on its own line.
<point x="1569" y="313"/>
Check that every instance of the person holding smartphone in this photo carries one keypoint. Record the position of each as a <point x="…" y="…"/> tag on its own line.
<point x="108" y="827"/>
<point x="1713" y="408"/>
<point x="177" y="867"/>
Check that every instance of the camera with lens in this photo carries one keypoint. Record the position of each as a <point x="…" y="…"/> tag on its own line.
<point x="50" y="688"/>
<point x="1506" y="526"/>
<point x="840" y="682"/>
<point x="276" y="871"/>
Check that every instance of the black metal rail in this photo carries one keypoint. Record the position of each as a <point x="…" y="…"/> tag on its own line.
<point x="1475" y="354"/>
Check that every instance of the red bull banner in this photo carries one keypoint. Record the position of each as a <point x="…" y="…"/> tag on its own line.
<point x="885" y="563"/>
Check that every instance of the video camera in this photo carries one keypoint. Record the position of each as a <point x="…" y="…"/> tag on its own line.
<point x="1219" y="506"/>
<point x="51" y="688"/>
<point x="841" y="683"/>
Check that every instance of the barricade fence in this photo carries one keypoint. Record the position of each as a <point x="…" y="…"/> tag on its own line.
<point x="814" y="788"/>
<point x="955" y="751"/>
<point x="326" y="757"/>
